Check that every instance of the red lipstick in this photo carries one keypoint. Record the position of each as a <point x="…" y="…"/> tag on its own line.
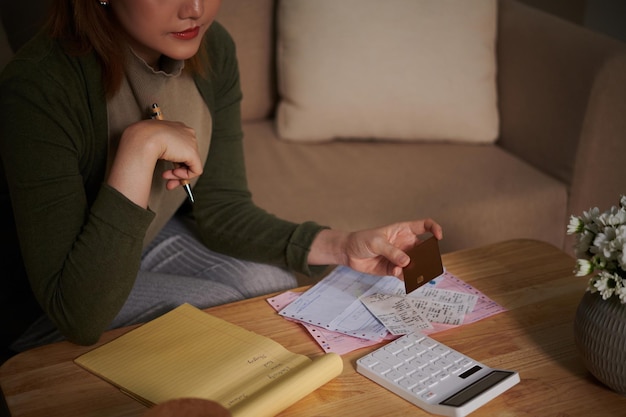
<point x="187" y="34"/>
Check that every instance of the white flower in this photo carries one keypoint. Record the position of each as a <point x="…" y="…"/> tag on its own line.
<point x="620" y="288"/>
<point x="621" y="260"/>
<point x="604" y="243"/>
<point x="583" y="267"/>
<point x="576" y="225"/>
<point x="621" y="293"/>
<point x="591" y="219"/>
<point x="613" y="217"/>
<point x="601" y="248"/>
<point x="605" y="284"/>
<point x="584" y="243"/>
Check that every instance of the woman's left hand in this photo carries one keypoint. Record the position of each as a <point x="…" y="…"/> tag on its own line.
<point x="379" y="251"/>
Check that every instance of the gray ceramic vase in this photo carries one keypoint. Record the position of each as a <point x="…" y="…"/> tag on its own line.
<point x="600" y="334"/>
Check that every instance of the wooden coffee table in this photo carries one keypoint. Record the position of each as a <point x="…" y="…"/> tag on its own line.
<point x="533" y="280"/>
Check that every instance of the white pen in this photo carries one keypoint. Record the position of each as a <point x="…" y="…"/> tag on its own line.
<point x="158" y="115"/>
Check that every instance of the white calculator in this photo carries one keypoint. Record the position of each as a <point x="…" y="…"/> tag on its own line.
<point x="433" y="376"/>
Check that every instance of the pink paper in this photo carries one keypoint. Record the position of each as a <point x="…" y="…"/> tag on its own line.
<point x="339" y="343"/>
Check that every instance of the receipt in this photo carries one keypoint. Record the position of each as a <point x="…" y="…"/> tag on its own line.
<point x="407" y="314"/>
<point x="396" y="313"/>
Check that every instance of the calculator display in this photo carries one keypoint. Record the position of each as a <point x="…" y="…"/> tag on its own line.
<point x="477" y="388"/>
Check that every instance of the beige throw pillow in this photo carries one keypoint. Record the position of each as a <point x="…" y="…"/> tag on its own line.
<point x="393" y="69"/>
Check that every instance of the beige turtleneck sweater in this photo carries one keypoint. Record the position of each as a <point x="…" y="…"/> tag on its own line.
<point x="175" y="92"/>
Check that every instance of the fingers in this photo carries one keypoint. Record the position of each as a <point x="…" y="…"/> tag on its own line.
<point x="419" y="227"/>
<point x="397" y="258"/>
<point x="178" y="176"/>
<point x="392" y="250"/>
<point x="377" y="251"/>
<point x="182" y="172"/>
<point x="179" y="145"/>
<point x="434" y="228"/>
<point x="397" y="271"/>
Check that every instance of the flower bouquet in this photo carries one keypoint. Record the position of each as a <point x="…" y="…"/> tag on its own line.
<point x="600" y="321"/>
<point x="601" y="249"/>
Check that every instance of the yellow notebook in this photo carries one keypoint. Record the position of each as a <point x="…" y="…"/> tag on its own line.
<point x="189" y="353"/>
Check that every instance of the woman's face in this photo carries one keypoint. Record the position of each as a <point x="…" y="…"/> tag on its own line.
<point x="165" y="27"/>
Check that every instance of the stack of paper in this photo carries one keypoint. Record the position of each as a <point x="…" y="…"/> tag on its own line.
<point x="348" y="310"/>
<point x="189" y="353"/>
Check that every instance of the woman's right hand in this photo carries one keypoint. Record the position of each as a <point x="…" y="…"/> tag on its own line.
<point x="144" y="143"/>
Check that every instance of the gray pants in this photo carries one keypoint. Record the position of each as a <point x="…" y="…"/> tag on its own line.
<point x="177" y="268"/>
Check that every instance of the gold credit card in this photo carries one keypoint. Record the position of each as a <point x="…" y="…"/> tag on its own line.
<point x="425" y="264"/>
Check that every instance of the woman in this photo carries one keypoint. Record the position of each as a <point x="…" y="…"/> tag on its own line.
<point x="106" y="236"/>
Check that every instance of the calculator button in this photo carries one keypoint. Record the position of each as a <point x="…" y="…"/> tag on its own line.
<point x="381" y="368"/>
<point x="464" y="363"/>
<point x="427" y="343"/>
<point x="431" y="370"/>
<point x="443" y="375"/>
<point x="428" y="356"/>
<point x="394" y="376"/>
<point x="386" y="357"/>
<point x="440" y="350"/>
<point x="416" y="349"/>
<point x="418" y="389"/>
<point x="454" y="369"/>
<point x="429" y="395"/>
<point x="406" y="369"/>
<point x="431" y="382"/>
<point x="405" y="342"/>
<point x="393" y="348"/>
<point x="408" y="383"/>
<point x="454" y="357"/>
<point x="368" y="361"/>
<point x="418" y="363"/>
<point x="421" y="376"/>
<point x="442" y="363"/>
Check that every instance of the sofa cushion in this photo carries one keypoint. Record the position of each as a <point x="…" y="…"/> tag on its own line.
<point x="480" y="193"/>
<point x="400" y="69"/>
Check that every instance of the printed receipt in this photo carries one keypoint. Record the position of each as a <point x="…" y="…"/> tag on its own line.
<point x="416" y="312"/>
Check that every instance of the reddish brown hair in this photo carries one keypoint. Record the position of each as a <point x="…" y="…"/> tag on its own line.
<point x="85" y="26"/>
